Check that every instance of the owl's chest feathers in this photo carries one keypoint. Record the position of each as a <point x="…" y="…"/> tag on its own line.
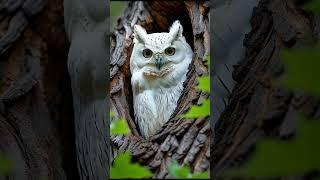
<point x="154" y="107"/>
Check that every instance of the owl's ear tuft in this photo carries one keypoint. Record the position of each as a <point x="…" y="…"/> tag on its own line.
<point x="139" y="34"/>
<point x="176" y="29"/>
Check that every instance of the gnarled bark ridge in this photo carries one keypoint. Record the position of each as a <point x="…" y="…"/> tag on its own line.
<point x="36" y="115"/>
<point x="86" y="27"/>
<point x="257" y="108"/>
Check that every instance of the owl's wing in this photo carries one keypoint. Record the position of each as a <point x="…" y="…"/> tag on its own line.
<point x="231" y="23"/>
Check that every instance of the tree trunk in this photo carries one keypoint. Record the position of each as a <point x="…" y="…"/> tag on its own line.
<point x="36" y="115"/>
<point x="257" y="108"/>
<point x="85" y="24"/>
<point x="187" y="141"/>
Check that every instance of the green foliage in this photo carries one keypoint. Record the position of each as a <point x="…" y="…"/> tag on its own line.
<point x="302" y="70"/>
<point x="5" y="165"/>
<point x="124" y="168"/>
<point x="274" y="158"/>
<point x="198" y="111"/>
<point x="204" y="83"/>
<point x="111" y="114"/>
<point x="313" y="6"/>
<point x="204" y="109"/>
<point x="116" y="9"/>
<point x="119" y="126"/>
<point x="206" y="59"/>
<point x="184" y="172"/>
<point x="283" y="158"/>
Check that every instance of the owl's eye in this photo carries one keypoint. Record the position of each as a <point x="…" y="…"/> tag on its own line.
<point x="170" y="51"/>
<point x="147" y="53"/>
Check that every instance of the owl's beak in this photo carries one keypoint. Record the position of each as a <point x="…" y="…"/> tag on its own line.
<point x="158" y="61"/>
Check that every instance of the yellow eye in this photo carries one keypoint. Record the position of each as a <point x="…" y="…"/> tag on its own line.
<point x="170" y="51"/>
<point x="147" y="53"/>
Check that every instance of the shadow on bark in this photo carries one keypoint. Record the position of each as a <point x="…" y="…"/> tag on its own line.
<point x="257" y="108"/>
<point x="36" y="115"/>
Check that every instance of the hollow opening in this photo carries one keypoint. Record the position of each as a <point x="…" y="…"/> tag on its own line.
<point x="164" y="14"/>
<point x="161" y="22"/>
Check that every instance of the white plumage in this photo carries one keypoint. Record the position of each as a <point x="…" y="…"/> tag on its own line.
<point x="159" y="64"/>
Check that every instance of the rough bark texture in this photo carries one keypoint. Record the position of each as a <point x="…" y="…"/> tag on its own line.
<point x="36" y="115"/>
<point x="86" y="27"/>
<point x="257" y="108"/>
<point x="187" y="141"/>
<point x="230" y="23"/>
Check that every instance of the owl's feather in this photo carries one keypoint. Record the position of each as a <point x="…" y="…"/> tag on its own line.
<point x="176" y="30"/>
<point x="157" y="90"/>
<point x="139" y="34"/>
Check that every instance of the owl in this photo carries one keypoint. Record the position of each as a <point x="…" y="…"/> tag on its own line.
<point x="159" y="63"/>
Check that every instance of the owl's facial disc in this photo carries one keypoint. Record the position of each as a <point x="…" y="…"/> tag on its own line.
<point x="159" y="57"/>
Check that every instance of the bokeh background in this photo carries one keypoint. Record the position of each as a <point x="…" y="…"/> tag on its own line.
<point x="116" y="9"/>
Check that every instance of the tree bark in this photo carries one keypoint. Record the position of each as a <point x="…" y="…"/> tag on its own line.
<point x="86" y="27"/>
<point x="187" y="141"/>
<point x="257" y="108"/>
<point x="36" y="115"/>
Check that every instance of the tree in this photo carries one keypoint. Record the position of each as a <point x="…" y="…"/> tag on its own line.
<point x="85" y="25"/>
<point x="184" y="140"/>
<point x="36" y="111"/>
<point x="258" y="108"/>
<point x="36" y="114"/>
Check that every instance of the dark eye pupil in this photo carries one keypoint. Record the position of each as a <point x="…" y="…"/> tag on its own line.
<point x="170" y="51"/>
<point x="147" y="53"/>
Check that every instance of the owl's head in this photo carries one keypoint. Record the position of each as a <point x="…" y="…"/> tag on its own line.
<point x="159" y="52"/>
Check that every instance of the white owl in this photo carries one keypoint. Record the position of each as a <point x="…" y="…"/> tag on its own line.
<point x="159" y="64"/>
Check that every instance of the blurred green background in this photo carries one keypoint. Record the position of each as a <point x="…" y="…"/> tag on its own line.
<point x="116" y="10"/>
